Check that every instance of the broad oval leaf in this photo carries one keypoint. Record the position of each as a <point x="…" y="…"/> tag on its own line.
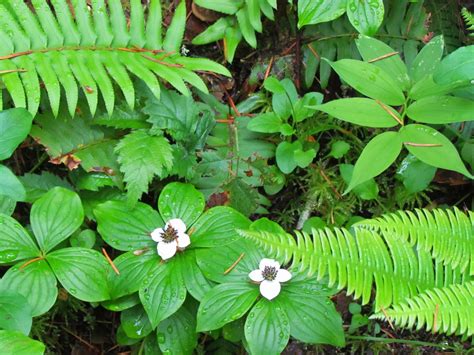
<point x="134" y="268"/>
<point x="12" y="342"/>
<point x="441" y="110"/>
<point x="15" y="312"/>
<point x="432" y="148"/>
<point x="36" y="282"/>
<point x="176" y="334"/>
<point x="135" y="323"/>
<point x="361" y="111"/>
<point x="428" y="59"/>
<point x="458" y="66"/>
<point x="15" y="242"/>
<point x="10" y="185"/>
<point x="55" y="216"/>
<point x="313" y="317"/>
<point x="311" y="12"/>
<point x="183" y="201"/>
<point x="376" y="157"/>
<point x="225" y="303"/>
<point x="196" y="283"/>
<point x="15" y="124"/>
<point x="267" y="329"/>
<point x="126" y="228"/>
<point x="265" y="123"/>
<point x="370" y="80"/>
<point x="383" y="56"/>
<point x="163" y="291"/>
<point x="82" y="272"/>
<point x="217" y="227"/>
<point x="366" y="16"/>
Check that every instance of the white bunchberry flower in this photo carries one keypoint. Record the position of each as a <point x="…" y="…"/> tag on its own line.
<point x="171" y="238"/>
<point x="269" y="275"/>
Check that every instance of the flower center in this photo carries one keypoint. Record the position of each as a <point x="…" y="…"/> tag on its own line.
<point x="269" y="273"/>
<point x="169" y="234"/>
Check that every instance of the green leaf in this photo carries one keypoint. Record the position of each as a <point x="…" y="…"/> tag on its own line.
<point x="304" y="158"/>
<point x="55" y="216"/>
<point x="176" y="333"/>
<point x="216" y="263"/>
<point x="427" y="59"/>
<point x="232" y="38"/>
<point x="224" y="6"/>
<point x="246" y="28"/>
<point x="385" y="57"/>
<point x="267" y="329"/>
<point x="175" y="33"/>
<point x="415" y="175"/>
<point x="456" y="67"/>
<point x="273" y="85"/>
<point x="361" y="111"/>
<point x="163" y="291"/>
<point x="37" y="185"/>
<point x="285" y="156"/>
<point x="438" y="150"/>
<point x="15" y="124"/>
<point x="36" y="282"/>
<point x="196" y="283"/>
<point x="126" y="228"/>
<point x="183" y="201"/>
<point x="121" y="303"/>
<point x="217" y="227"/>
<point x="15" y="242"/>
<point x="15" y="312"/>
<point x="214" y="32"/>
<point x="311" y="12"/>
<point x="265" y="123"/>
<point x="225" y="303"/>
<point x="368" y="190"/>
<point x="441" y="110"/>
<point x="366" y="16"/>
<point x="10" y="185"/>
<point x="12" y="342"/>
<point x="312" y="316"/>
<point x="7" y="205"/>
<point x="376" y="157"/>
<point x="134" y="268"/>
<point x="304" y="107"/>
<point x="84" y="239"/>
<point x="370" y="80"/>
<point x="135" y="323"/>
<point x="339" y="149"/>
<point x="142" y="157"/>
<point x="82" y="272"/>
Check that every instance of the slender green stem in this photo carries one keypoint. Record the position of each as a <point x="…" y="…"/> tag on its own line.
<point x="400" y="341"/>
<point x="41" y="160"/>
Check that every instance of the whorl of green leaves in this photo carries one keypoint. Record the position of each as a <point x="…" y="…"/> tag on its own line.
<point x="447" y="234"/>
<point x="67" y="47"/>
<point x="448" y="310"/>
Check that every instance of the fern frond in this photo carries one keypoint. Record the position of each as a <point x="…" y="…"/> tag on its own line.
<point x="359" y="262"/>
<point x="67" y="48"/>
<point x="447" y="234"/>
<point x="448" y="310"/>
<point x="468" y="19"/>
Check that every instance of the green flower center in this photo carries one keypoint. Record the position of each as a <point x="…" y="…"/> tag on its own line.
<point x="269" y="273"/>
<point x="170" y="234"/>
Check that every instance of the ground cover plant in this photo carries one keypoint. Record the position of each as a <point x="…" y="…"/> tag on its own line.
<point x="229" y="177"/>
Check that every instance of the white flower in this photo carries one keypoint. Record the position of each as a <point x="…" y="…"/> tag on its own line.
<point x="171" y="238"/>
<point x="269" y="275"/>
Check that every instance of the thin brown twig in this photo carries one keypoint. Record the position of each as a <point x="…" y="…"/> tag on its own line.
<point x="331" y="185"/>
<point x="388" y="318"/>
<point x="21" y="70"/>
<point x="80" y="339"/>
<point x="386" y="109"/>
<point x="110" y="261"/>
<point x="173" y="65"/>
<point x="435" y="318"/>
<point x="30" y="262"/>
<point x="385" y="56"/>
<point x="428" y="145"/>
<point x="234" y="264"/>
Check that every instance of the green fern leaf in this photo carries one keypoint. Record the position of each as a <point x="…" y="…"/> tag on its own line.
<point x="65" y="48"/>
<point x="359" y="262"/>
<point x="447" y="234"/>
<point x="468" y="19"/>
<point x="142" y="157"/>
<point x="448" y="310"/>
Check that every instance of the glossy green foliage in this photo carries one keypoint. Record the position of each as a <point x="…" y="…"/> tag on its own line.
<point x="90" y="50"/>
<point x="363" y="259"/>
<point x="440" y="310"/>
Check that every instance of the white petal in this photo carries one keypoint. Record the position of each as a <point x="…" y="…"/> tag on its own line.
<point x="156" y="235"/>
<point x="270" y="289"/>
<point x="283" y="275"/>
<point x="183" y="240"/>
<point x="256" y="275"/>
<point x="167" y="250"/>
<point x="177" y="224"/>
<point x="270" y="263"/>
